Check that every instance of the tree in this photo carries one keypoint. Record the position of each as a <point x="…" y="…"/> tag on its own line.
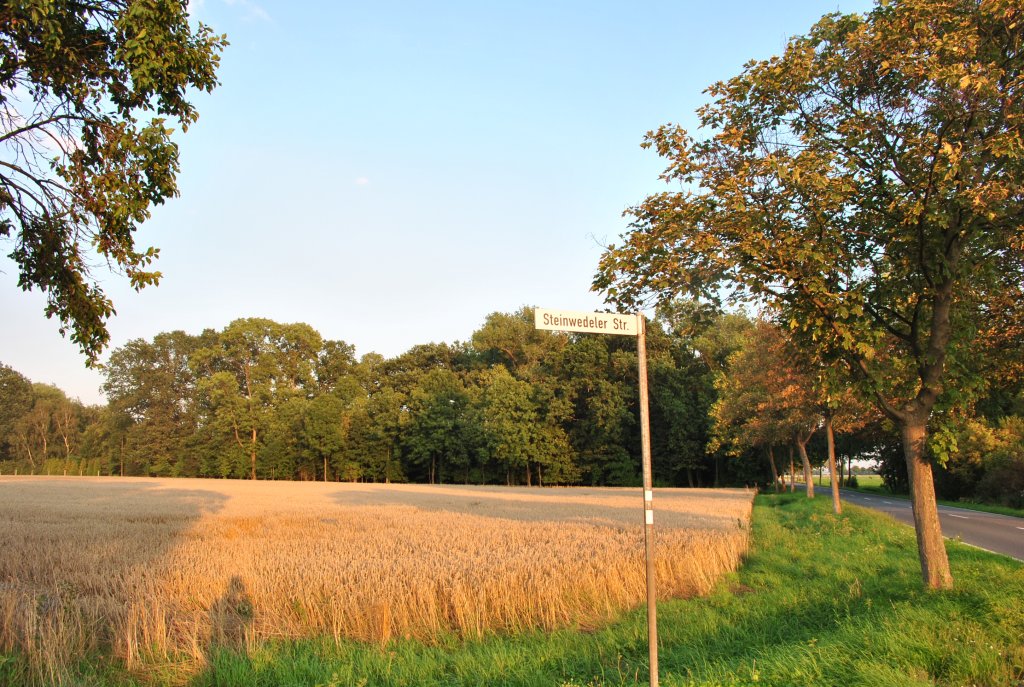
<point x="521" y="431"/>
<point x="323" y="431"/>
<point x="254" y="367"/>
<point x="869" y="185"/>
<point x="513" y="341"/>
<point x="436" y="433"/>
<point x="154" y="386"/>
<point x="15" y="403"/>
<point x="375" y="427"/>
<point x="766" y="396"/>
<point x="603" y="397"/>
<point x="85" y="93"/>
<point x="36" y="434"/>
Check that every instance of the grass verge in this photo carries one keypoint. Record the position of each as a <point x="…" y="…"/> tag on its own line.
<point x="821" y="600"/>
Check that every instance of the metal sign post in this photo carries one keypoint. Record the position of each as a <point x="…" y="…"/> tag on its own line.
<point x="627" y="325"/>
<point x="645" y="452"/>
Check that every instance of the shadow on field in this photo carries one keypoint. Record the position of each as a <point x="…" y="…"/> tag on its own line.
<point x="110" y="524"/>
<point x="95" y="544"/>
<point x="230" y="615"/>
<point x="526" y="504"/>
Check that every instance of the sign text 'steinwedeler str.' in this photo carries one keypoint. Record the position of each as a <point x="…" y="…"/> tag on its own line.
<point x="592" y="322"/>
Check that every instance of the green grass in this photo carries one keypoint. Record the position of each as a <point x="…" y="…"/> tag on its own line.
<point x="821" y="600"/>
<point x="869" y="480"/>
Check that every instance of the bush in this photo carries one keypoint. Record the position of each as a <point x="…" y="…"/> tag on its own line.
<point x="1002" y="481"/>
<point x="958" y="478"/>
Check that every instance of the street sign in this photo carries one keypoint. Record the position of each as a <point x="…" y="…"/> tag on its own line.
<point x="589" y="322"/>
<point x="629" y="325"/>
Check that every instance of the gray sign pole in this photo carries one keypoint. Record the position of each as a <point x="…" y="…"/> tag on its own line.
<point x="614" y="323"/>
<point x="645" y="449"/>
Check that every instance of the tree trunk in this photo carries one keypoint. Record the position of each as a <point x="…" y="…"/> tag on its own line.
<point x="930" y="546"/>
<point x="775" y="471"/>
<point x="801" y="447"/>
<point x="837" y="506"/>
<point x="689" y="477"/>
<point x="252" y="453"/>
<point x="793" y="472"/>
<point x="31" y="458"/>
<point x="252" y="417"/>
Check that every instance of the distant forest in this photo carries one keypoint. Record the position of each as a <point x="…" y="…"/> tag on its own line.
<point x="732" y="403"/>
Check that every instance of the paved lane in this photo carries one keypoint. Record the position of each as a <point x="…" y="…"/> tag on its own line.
<point x="1000" y="533"/>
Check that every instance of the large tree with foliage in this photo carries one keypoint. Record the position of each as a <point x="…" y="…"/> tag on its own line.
<point x="869" y="185"/>
<point x="15" y="402"/>
<point x="86" y="92"/>
<point x="252" y="369"/>
<point x="436" y="435"/>
<point x="766" y="397"/>
<point x="154" y="386"/>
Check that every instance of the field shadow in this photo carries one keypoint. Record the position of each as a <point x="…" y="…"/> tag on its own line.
<point x="528" y="505"/>
<point x="113" y="520"/>
<point x="92" y="547"/>
<point x="230" y="616"/>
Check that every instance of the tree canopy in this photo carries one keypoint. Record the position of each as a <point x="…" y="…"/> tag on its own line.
<point x="868" y="186"/>
<point x="86" y="94"/>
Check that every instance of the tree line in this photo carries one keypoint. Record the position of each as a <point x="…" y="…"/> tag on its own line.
<point x="733" y="402"/>
<point x="265" y="400"/>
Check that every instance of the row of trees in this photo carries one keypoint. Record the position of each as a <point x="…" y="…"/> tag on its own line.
<point x="731" y="397"/>
<point x="260" y="399"/>
<point x="41" y="429"/>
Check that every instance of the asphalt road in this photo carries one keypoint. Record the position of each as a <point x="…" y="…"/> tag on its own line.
<point x="1000" y="533"/>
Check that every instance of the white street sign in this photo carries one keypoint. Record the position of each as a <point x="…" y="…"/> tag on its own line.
<point x="592" y="322"/>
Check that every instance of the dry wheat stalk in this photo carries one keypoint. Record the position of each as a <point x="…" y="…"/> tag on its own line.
<point x="160" y="570"/>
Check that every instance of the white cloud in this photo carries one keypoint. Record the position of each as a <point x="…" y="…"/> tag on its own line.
<point x="361" y="181"/>
<point x="251" y="9"/>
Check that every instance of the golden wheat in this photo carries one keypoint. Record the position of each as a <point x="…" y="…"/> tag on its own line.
<point x="160" y="570"/>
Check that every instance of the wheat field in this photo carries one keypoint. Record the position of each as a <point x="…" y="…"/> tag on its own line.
<point x="157" y="571"/>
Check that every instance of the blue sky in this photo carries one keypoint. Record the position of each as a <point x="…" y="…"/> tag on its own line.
<point x="392" y="172"/>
